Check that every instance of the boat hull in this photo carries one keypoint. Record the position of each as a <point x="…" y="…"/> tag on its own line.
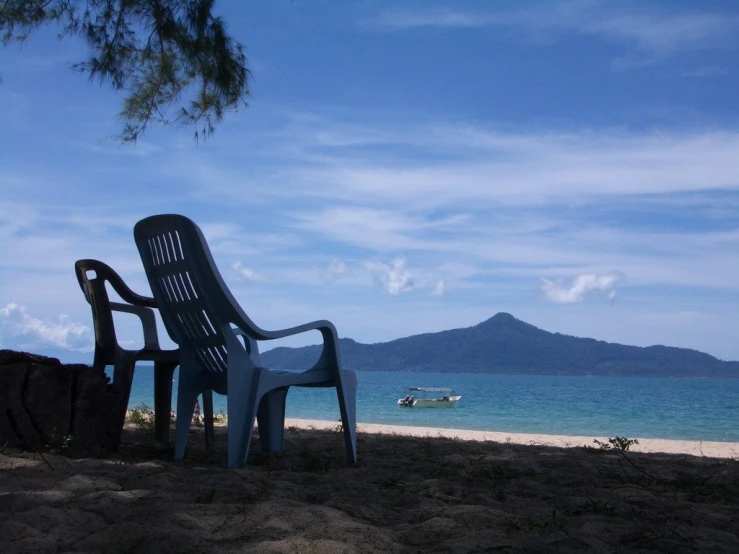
<point x="449" y="402"/>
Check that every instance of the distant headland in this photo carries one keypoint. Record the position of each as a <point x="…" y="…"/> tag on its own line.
<point x="506" y="345"/>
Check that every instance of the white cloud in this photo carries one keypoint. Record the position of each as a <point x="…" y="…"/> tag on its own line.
<point x="220" y="231"/>
<point x="707" y="71"/>
<point x="431" y="18"/>
<point x="655" y="34"/>
<point x="18" y="326"/>
<point x="249" y="274"/>
<point x="394" y="278"/>
<point x="658" y="35"/>
<point x="375" y="228"/>
<point x="581" y="286"/>
<point x="338" y="269"/>
<point x="438" y="288"/>
<point x="493" y="165"/>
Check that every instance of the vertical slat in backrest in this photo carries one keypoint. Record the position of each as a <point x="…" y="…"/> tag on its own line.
<point x="170" y="256"/>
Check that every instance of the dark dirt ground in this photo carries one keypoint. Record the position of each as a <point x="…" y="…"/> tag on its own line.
<point x="406" y="494"/>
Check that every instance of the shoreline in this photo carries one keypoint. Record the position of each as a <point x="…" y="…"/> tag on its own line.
<point x="712" y="449"/>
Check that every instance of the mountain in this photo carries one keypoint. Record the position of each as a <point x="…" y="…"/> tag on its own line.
<point x="504" y="344"/>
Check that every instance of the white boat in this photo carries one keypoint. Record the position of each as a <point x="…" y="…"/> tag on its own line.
<point x="427" y="401"/>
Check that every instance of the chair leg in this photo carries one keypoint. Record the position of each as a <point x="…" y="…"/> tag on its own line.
<point x="122" y="379"/>
<point x="162" y="400"/>
<point x="271" y="420"/>
<point x="243" y="400"/>
<point x="208" y="418"/>
<point x="347" y="394"/>
<point x="187" y="396"/>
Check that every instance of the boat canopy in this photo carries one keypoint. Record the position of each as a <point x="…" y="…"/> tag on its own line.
<point x="430" y="389"/>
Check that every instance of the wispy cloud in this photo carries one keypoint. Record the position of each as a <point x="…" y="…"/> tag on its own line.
<point x="515" y="167"/>
<point x="581" y="286"/>
<point x="518" y="203"/>
<point x="438" y="288"/>
<point x="445" y="18"/>
<point x="21" y="328"/>
<point x="375" y="229"/>
<point x="651" y="32"/>
<point x="338" y="269"/>
<point x="707" y="71"/>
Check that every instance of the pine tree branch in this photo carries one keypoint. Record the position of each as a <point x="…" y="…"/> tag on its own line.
<point x="194" y="54"/>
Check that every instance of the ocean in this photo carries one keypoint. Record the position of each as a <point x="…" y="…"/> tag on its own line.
<point x="685" y="409"/>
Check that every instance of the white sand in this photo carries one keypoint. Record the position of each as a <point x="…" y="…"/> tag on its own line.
<point x="696" y="448"/>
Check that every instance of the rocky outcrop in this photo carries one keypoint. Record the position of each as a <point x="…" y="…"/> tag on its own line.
<point x="47" y="404"/>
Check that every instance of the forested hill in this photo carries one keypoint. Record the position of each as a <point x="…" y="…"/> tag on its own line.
<point x="504" y="344"/>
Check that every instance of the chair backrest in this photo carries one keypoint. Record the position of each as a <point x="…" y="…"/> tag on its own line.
<point x="92" y="275"/>
<point x="194" y="302"/>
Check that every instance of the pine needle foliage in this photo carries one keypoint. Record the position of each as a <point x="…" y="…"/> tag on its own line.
<point x="174" y="59"/>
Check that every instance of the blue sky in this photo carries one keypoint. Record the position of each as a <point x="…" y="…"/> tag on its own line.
<point x="405" y="167"/>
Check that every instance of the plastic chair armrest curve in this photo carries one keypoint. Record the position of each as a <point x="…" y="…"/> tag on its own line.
<point x="127" y="294"/>
<point x="330" y="353"/>
<point x="261" y="334"/>
<point x="148" y="322"/>
<point x="251" y="345"/>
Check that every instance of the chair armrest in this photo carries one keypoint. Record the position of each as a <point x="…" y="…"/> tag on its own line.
<point x="148" y="322"/>
<point x="321" y="325"/>
<point x="106" y="273"/>
<point x="330" y="353"/>
<point x="330" y="357"/>
<point x="251" y="345"/>
<point x="127" y="294"/>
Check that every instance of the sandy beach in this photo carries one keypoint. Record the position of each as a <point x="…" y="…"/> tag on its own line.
<point x="413" y="490"/>
<point x="695" y="448"/>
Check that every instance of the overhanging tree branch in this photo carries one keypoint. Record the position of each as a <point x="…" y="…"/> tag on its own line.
<point x="157" y="51"/>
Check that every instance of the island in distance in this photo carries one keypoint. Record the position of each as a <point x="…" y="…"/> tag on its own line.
<point x="506" y="345"/>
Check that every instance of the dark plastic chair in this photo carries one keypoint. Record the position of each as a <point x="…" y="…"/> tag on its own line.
<point x="92" y="276"/>
<point x="218" y="344"/>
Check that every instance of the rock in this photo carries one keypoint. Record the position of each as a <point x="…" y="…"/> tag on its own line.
<point x="47" y="404"/>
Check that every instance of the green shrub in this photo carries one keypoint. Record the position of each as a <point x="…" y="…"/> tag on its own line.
<point x="616" y="443"/>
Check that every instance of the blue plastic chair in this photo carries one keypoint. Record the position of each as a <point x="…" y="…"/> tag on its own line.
<point x="92" y="276"/>
<point x="218" y="344"/>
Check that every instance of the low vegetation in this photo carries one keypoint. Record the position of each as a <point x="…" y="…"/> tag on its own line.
<point x="143" y="416"/>
<point x="616" y="443"/>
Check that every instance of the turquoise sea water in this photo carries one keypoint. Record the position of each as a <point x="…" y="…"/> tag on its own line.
<point x="688" y="409"/>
